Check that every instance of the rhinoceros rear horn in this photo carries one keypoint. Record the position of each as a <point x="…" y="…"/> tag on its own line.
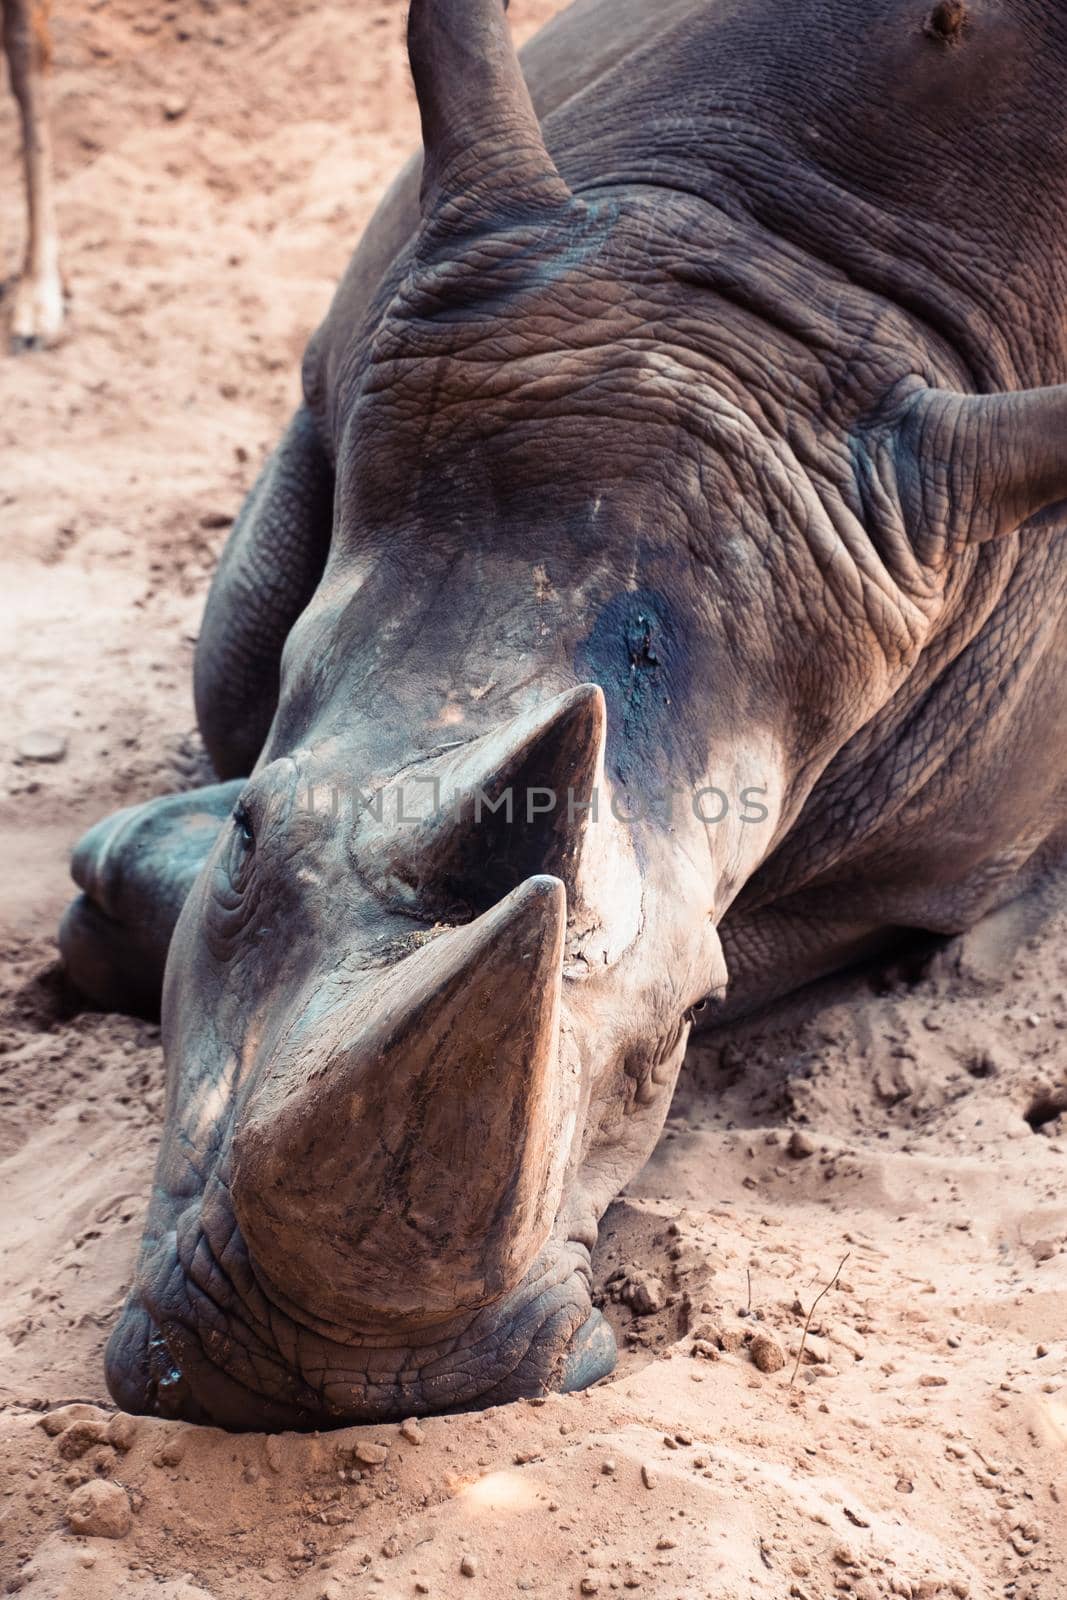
<point x="483" y="153"/>
<point x="976" y="467"/>
<point x="409" y="1163"/>
<point x="518" y="801"/>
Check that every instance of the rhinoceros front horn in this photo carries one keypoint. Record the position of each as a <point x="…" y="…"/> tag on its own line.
<point x="483" y="153"/>
<point x="408" y="1163"/>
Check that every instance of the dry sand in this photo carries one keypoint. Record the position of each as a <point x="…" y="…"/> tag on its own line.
<point x="217" y="163"/>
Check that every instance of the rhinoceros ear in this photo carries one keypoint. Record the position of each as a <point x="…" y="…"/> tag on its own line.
<point x="483" y="154"/>
<point x="971" y="468"/>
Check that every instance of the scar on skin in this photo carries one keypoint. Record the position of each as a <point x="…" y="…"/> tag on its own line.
<point x="946" y="21"/>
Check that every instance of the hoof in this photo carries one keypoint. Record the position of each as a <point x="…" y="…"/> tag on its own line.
<point x="37" y="314"/>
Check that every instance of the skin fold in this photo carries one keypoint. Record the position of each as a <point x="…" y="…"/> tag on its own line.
<point x="685" y="441"/>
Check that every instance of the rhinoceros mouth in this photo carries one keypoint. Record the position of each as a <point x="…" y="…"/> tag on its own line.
<point x="172" y="1356"/>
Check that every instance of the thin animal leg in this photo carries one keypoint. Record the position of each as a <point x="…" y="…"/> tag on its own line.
<point x="37" y="316"/>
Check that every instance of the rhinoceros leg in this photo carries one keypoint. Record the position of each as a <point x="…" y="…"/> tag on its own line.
<point x="772" y="952"/>
<point x="135" y="869"/>
<point x="266" y="575"/>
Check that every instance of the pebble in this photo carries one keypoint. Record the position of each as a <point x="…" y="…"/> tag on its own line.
<point x="369" y="1454"/>
<point x="800" y="1146"/>
<point x="645" y="1294"/>
<point x="608" y="1467"/>
<point x="99" y="1509"/>
<point x="932" y="1380"/>
<point x="175" y="106"/>
<point x="767" y="1354"/>
<point x="469" y="1567"/>
<point x="41" y="745"/>
<point x="590" y="1584"/>
<point x="410" y="1430"/>
<point x="849" y="1340"/>
<point x="649" y="1475"/>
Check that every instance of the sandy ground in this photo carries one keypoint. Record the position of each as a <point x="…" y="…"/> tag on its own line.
<point x="217" y="163"/>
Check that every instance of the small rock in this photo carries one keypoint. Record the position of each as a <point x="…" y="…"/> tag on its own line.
<point x="800" y="1146"/>
<point x="469" y="1567"/>
<point x="410" y="1430"/>
<point x="932" y="1380"/>
<point x="391" y="1547"/>
<point x="369" y="1454"/>
<point x="608" y="1467"/>
<point x="645" y="1294"/>
<point x="649" y="1475"/>
<point x="175" y="106"/>
<point x="122" y="1431"/>
<point x="590" y="1584"/>
<point x="41" y="745"/>
<point x="1041" y="1351"/>
<point x="816" y="1349"/>
<point x="100" y="1510"/>
<point x="849" y="1340"/>
<point x="767" y="1354"/>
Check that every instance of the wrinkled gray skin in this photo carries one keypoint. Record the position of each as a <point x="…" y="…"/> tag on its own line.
<point x="733" y="428"/>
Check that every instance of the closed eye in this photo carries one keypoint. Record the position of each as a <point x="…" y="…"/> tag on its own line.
<point x="242" y="823"/>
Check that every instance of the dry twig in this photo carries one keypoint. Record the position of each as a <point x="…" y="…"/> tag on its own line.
<point x="807" y="1324"/>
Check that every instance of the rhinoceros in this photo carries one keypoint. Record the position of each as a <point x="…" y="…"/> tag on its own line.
<point x="656" y="603"/>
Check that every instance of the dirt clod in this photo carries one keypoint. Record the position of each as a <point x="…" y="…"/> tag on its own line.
<point x="767" y="1354"/>
<point x="100" y="1510"/>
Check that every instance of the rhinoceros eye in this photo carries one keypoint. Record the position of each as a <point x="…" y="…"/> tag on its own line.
<point x="243" y="828"/>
